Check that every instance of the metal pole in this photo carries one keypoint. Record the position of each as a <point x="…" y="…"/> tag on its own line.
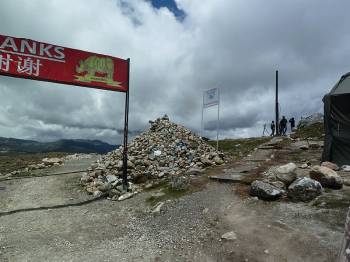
<point x="276" y="108"/>
<point x="202" y="115"/>
<point x="217" y="123"/>
<point x="126" y="124"/>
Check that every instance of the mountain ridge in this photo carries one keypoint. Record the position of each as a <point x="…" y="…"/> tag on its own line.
<point x="15" y="145"/>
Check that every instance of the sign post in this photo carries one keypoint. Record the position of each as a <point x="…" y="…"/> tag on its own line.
<point x="277" y="124"/>
<point x="30" y="59"/>
<point x="126" y="125"/>
<point x="211" y="97"/>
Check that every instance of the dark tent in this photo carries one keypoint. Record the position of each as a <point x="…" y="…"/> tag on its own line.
<point x="337" y="123"/>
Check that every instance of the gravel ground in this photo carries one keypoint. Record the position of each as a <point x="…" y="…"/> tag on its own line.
<point x="187" y="228"/>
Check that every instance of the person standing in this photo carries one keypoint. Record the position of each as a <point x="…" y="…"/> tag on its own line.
<point x="292" y="124"/>
<point x="273" y="126"/>
<point x="283" y="125"/>
<point x="265" y="130"/>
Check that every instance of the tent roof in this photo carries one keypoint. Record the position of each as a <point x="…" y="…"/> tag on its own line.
<point x="342" y="87"/>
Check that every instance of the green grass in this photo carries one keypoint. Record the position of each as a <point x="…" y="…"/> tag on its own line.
<point x="169" y="194"/>
<point x="237" y="148"/>
<point x="196" y="184"/>
<point x="314" y="130"/>
<point x="333" y="199"/>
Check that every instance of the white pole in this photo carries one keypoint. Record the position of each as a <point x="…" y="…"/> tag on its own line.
<point x="217" y="123"/>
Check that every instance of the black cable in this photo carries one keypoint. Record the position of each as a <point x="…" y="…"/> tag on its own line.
<point x="52" y="207"/>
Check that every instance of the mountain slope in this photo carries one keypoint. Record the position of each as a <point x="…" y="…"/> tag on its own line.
<point x="11" y="145"/>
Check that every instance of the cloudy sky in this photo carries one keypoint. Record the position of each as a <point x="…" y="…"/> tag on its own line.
<point x="177" y="50"/>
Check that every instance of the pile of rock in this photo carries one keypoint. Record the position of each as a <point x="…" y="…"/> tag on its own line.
<point x="79" y="156"/>
<point x="310" y="120"/>
<point x="283" y="181"/>
<point x="165" y="150"/>
<point x="46" y="162"/>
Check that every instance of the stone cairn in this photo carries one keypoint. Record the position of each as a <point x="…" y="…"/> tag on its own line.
<point x="166" y="150"/>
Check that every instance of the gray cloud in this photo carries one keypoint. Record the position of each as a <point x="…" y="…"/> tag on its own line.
<point x="233" y="45"/>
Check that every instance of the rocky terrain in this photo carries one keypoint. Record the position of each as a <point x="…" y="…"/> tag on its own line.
<point x="40" y="164"/>
<point x="273" y="202"/>
<point x="165" y="151"/>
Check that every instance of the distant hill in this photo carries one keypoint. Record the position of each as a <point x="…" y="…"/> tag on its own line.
<point x="12" y="145"/>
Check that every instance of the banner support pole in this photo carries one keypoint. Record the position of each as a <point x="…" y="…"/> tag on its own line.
<point x="126" y="126"/>
<point x="202" y="115"/>
<point x="217" y="124"/>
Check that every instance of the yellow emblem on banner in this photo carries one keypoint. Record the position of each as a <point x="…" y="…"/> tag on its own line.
<point x="93" y="65"/>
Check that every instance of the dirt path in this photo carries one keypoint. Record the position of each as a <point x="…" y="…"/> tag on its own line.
<point x="187" y="229"/>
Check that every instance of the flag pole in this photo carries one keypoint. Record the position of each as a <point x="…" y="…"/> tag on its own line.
<point x="217" y="123"/>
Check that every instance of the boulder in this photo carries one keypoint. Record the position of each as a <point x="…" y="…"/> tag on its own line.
<point x="304" y="189"/>
<point x="330" y="165"/>
<point x="346" y="181"/>
<point x="205" y="161"/>
<point x="85" y="178"/>
<point x="111" y="178"/>
<point x="265" y="191"/>
<point x="114" y="193"/>
<point x="304" y="166"/>
<point x="229" y="236"/>
<point x="304" y="146"/>
<point x="104" y="187"/>
<point x="286" y="173"/>
<point x="126" y="196"/>
<point x="345" y="168"/>
<point x="326" y="176"/>
<point x="97" y="193"/>
<point x="218" y="160"/>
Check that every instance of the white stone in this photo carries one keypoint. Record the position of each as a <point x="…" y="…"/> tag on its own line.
<point x="229" y="236"/>
<point x="111" y="178"/>
<point x="158" y="208"/>
<point x="97" y="193"/>
<point x="126" y="196"/>
<point x="288" y="168"/>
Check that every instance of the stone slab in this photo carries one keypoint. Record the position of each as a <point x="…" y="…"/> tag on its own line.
<point x="232" y="178"/>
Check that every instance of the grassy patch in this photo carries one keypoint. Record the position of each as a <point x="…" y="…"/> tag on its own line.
<point x="196" y="184"/>
<point x="237" y="148"/>
<point x="12" y="162"/>
<point x="314" y="130"/>
<point x="285" y="142"/>
<point x="158" y="185"/>
<point x="169" y="193"/>
<point x="333" y="199"/>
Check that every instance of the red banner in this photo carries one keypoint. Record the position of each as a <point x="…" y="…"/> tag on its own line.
<point x="27" y="58"/>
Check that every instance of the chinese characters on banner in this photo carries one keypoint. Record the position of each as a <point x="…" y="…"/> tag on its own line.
<point x="28" y="65"/>
<point x="25" y="58"/>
